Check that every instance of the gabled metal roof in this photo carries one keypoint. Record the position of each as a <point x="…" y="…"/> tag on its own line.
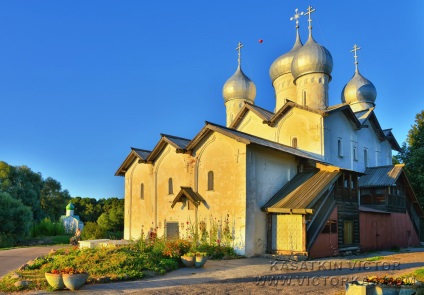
<point x="135" y="154"/>
<point x="262" y="113"/>
<point x="143" y="154"/>
<point x="178" y="143"/>
<point x="307" y="190"/>
<point x="392" y="140"/>
<point x="363" y="115"/>
<point x="380" y="176"/>
<point x="286" y="108"/>
<point x="347" y="111"/>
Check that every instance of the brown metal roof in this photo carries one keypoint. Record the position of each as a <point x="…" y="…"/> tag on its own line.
<point x="308" y="189"/>
<point x="380" y="176"/>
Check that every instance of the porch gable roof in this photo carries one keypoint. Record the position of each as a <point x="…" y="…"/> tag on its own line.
<point x="188" y="193"/>
<point x="302" y="191"/>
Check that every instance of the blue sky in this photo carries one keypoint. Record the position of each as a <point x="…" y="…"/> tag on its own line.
<point x="83" y="81"/>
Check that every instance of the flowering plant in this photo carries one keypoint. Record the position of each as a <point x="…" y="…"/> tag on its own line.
<point x="67" y="270"/>
<point x="386" y="280"/>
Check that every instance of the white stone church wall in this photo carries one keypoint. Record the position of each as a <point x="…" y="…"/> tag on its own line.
<point x="359" y="148"/>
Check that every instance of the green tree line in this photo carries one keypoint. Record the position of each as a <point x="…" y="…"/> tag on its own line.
<point x="26" y="199"/>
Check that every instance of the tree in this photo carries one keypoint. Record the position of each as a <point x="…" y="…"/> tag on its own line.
<point x="53" y="198"/>
<point x="15" y="217"/>
<point x="412" y="156"/>
<point x="22" y="183"/>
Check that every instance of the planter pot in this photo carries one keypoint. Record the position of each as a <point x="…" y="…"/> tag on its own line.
<point x="379" y="289"/>
<point x="200" y="261"/>
<point x="188" y="261"/>
<point x="55" y="280"/>
<point x="74" y="281"/>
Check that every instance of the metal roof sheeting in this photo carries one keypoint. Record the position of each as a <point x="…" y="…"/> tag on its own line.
<point x="380" y="176"/>
<point x="307" y="188"/>
<point x="143" y="154"/>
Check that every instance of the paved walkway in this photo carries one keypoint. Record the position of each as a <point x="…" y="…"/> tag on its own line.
<point x="14" y="258"/>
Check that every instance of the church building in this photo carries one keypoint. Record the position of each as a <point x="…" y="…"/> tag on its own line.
<point x="304" y="179"/>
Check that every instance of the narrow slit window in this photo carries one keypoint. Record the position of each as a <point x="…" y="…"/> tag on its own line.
<point x="142" y="191"/>
<point x="304" y="98"/>
<point x="210" y="181"/>
<point x="366" y="158"/>
<point x="294" y="142"/>
<point x="340" y="148"/>
<point x="170" y="187"/>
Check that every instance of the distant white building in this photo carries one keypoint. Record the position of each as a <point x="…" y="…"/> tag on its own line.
<point x="71" y="221"/>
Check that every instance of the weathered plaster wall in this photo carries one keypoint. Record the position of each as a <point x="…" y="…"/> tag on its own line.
<point x="226" y="157"/>
<point x="253" y="124"/>
<point x="138" y="211"/>
<point x="267" y="172"/>
<point x="306" y="126"/>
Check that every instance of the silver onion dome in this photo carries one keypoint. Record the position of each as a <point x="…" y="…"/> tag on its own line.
<point x="239" y="86"/>
<point x="282" y="65"/>
<point x="359" y="89"/>
<point x="312" y="58"/>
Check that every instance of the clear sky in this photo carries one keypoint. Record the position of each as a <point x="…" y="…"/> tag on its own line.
<point x="83" y="81"/>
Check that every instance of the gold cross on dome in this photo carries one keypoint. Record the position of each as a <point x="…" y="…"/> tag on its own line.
<point x="354" y="50"/>
<point x="239" y="46"/>
<point x="296" y="17"/>
<point x="310" y="10"/>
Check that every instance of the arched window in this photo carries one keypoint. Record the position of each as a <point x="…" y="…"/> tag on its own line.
<point x="170" y="187"/>
<point x="210" y="181"/>
<point x="294" y="142"/>
<point x="142" y="191"/>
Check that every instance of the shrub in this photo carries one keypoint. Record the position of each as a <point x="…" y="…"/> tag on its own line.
<point x="6" y="240"/>
<point x="92" y="231"/>
<point x="47" y="228"/>
<point x="217" y="251"/>
<point x="15" y="217"/>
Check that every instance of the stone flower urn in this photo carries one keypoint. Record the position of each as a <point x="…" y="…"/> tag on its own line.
<point x="74" y="281"/>
<point x="55" y="280"/>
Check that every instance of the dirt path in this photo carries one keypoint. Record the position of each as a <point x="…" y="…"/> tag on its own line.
<point x="14" y="258"/>
<point x="326" y="276"/>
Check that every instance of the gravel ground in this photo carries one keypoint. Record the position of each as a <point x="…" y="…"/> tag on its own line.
<point x="326" y="276"/>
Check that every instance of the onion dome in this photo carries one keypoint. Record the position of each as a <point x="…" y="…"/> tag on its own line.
<point x="239" y="86"/>
<point x="282" y="65"/>
<point x="312" y="57"/>
<point x="359" y="88"/>
<point x="70" y="206"/>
